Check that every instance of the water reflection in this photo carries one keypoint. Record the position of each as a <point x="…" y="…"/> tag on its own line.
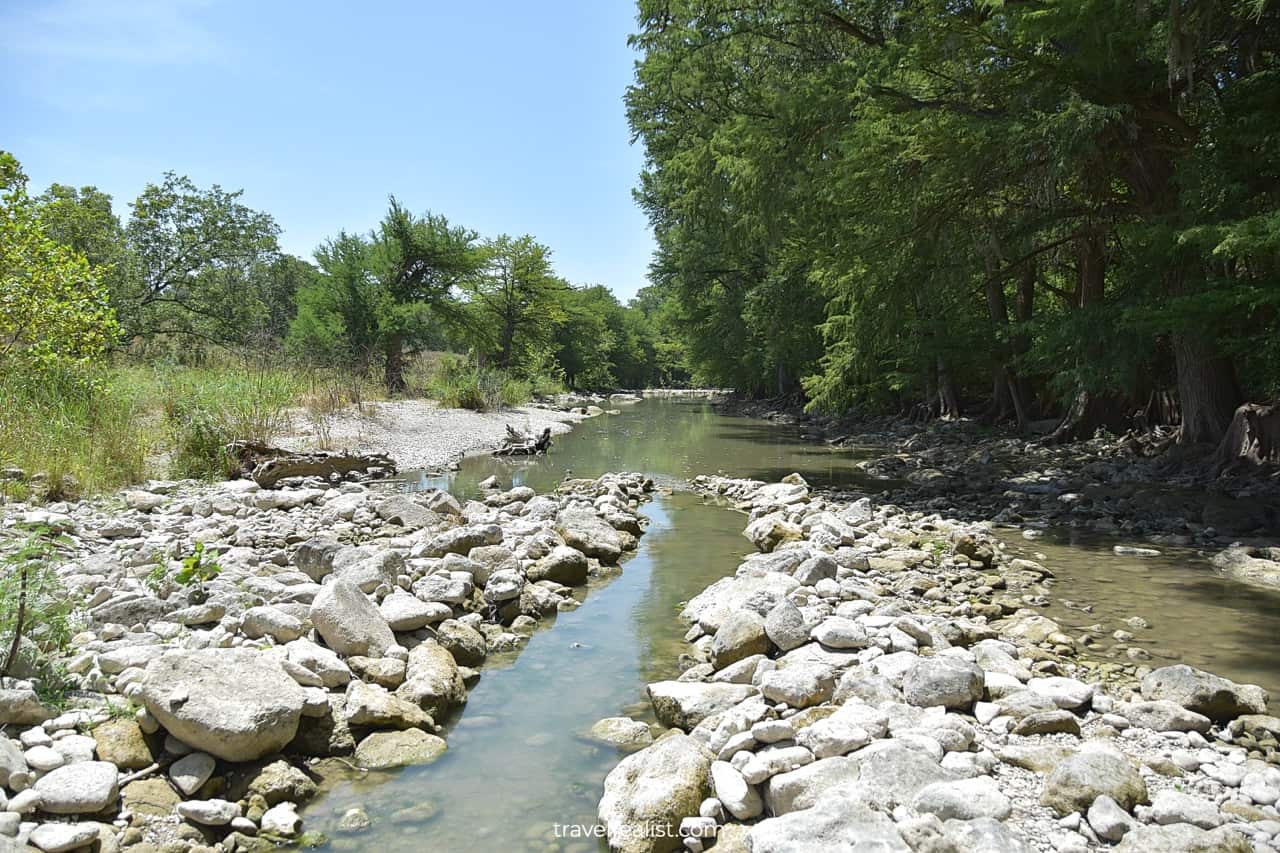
<point x="1196" y="616"/>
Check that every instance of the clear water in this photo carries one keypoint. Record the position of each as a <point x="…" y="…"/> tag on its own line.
<point x="517" y="765"/>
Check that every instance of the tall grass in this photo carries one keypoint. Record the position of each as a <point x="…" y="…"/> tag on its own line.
<point x="205" y="409"/>
<point x="70" y="437"/>
<point x="129" y="422"/>
<point x="457" y="383"/>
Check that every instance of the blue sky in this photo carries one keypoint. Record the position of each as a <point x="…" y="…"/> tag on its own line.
<point x="505" y="117"/>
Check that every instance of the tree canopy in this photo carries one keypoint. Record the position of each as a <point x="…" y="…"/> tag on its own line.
<point x="1052" y="207"/>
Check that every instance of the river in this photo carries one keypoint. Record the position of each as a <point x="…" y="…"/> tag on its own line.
<point x="519" y="775"/>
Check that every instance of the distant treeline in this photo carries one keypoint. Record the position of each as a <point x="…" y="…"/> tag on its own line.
<point x="1023" y="210"/>
<point x="194" y="272"/>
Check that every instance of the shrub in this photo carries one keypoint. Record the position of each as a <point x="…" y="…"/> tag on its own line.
<point x="35" y="612"/>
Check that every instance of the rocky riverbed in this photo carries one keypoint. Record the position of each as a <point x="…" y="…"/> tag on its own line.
<point x="877" y="678"/>
<point x="1108" y="484"/>
<point x="420" y="434"/>
<point x="344" y="624"/>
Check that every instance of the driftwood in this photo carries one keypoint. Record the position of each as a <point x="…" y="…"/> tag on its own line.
<point x="267" y="465"/>
<point x="1252" y="439"/>
<point x="518" y="443"/>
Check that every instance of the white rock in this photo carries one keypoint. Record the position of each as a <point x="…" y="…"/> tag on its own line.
<point x="209" y="812"/>
<point x="190" y="772"/>
<point x="61" y="837"/>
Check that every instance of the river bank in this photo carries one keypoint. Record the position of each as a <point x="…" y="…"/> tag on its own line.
<point x="877" y="675"/>
<point x="329" y="625"/>
<point x="420" y="434"/>
<point x="1107" y="484"/>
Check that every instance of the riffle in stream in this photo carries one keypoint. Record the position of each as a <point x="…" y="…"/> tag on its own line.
<point x="519" y="773"/>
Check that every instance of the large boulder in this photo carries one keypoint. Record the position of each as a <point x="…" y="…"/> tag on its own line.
<point x="1204" y="693"/>
<point x="86" y="787"/>
<point x="432" y="680"/>
<point x="684" y="704"/>
<point x="837" y="821"/>
<point x="1077" y="781"/>
<point x="590" y="534"/>
<point x="405" y="612"/>
<point x="648" y="794"/>
<point x="460" y="540"/>
<point x="890" y="774"/>
<point x="564" y="565"/>
<point x="380" y="569"/>
<point x="466" y="644"/>
<point x="1259" y="566"/>
<point x="800" y="788"/>
<point x="315" y="558"/>
<point x="771" y="530"/>
<point x="402" y="510"/>
<point x="799" y="684"/>
<point x="741" y="635"/>
<point x="121" y="742"/>
<point x="387" y="750"/>
<point x="948" y="681"/>
<point x="238" y="704"/>
<point x="964" y="799"/>
<point x="371" y="706"/>
<point x="349" y="622"/>
<point x="1161" y="715"/>
<point x="785" y="626"/>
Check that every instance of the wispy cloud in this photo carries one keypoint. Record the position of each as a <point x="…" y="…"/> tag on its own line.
<point x="135" y="32"/>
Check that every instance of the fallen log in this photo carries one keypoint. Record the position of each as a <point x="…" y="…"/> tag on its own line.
<point x="518" y="443"/>
<point x="267" y="465"/>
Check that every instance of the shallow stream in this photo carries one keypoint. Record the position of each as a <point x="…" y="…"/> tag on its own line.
<point x="519" y="775"/>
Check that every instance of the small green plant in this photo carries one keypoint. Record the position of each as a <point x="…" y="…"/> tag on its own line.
<point x="35" y="610"/>
<point x="196" y="569"/>
<point x="155" y="579"/>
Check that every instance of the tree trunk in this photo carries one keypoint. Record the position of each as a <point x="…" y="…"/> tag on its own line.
<point x="1091" y="411"/>
<point x="395" y="365"/>
<point x="1007" y="390"/>
<point x="1207" y="389"/>
<point x="1253" y="438"/>
<point x="948" y="399"/>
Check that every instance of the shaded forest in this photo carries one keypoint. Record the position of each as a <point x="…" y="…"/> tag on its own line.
<point x="1021" y="211"/>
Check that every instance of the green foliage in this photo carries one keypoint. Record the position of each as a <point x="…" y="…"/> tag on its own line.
<point x="54" y="317"/>
<point x="196" y="568"/>
<point x="384" y="296"/>
<point x="205" y="410"/>
<point x="35" y="610"/>
<point x="202" y="265"/>
<point x="883" y="204"/>
<point x="73" y="434"/>
<point x="456" y="383"/>
<point x="517" y="302"/>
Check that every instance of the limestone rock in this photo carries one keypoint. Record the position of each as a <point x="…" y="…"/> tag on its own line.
<point x="684" y="704"/>
<point x="86" y="787"/>
<point x="948" y="681"/>
<point x="237" y="704"/>
<point x="349" y="622"/>
<point x="1204" y="693"/>
<point x="1076" y="782"/>
<point x="656" y="787"/>
<point x="387" y="750"/>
